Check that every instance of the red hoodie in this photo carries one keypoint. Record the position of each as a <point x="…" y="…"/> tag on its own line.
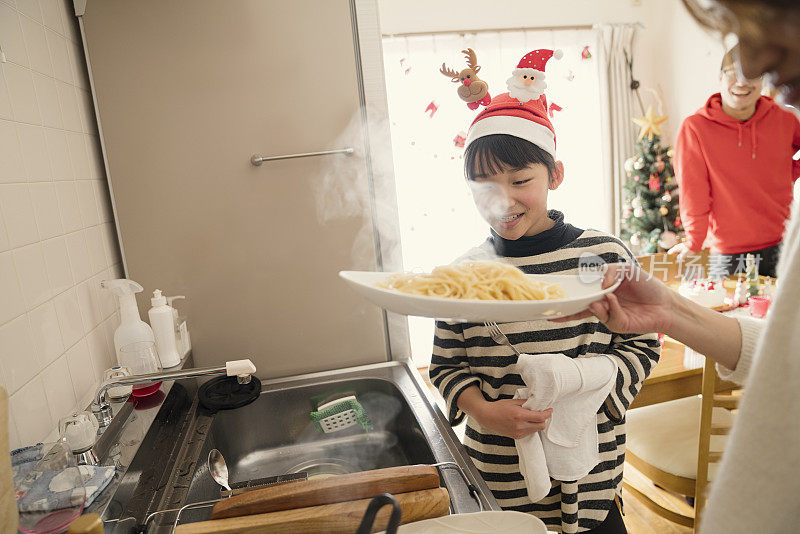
<point x="736" y="176"/>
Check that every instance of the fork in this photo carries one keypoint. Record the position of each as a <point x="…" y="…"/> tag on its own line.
<point x="499" y="337"/>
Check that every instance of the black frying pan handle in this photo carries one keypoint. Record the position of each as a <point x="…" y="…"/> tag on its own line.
<point x="372" y="510"/>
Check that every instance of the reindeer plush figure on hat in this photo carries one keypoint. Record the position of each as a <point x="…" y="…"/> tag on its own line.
<point x="472" y="90"/>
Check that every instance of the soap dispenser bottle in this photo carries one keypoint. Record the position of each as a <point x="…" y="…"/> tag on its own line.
<point x="131" y="329"/>
<point x="181" y="329"/>
<point x="163" y="324"/>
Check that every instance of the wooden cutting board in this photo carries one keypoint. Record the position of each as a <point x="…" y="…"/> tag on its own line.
<point x="337" y="518"/>
<point x="330" y="490"/>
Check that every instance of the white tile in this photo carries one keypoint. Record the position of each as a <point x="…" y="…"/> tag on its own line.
<point x="98" y="350"/>
<point x="77" y="65"/>
<point x="95" y="157"/>
<point x="46" y="333"/>
<point x="13" y="303"/>
<point x="87" y="202"/>
<point x="12" y="169"/>
<point x="4" y="244"/>
<point x="34" y="153"/>
<point x="17" y="353"/>
<point x="58" y="54"/>
<point x="69" y="317"/>
<point x="110" y="245"/>
<point x="94" y="244"/>
<point x="86" y="108"/>
<point x="60" y="164"/>
<point x="5" y="100"/>
<point x="80" y="369"/>
<point x="45" y="205"/>
<point x="111" y="324"/>
<point x="30" y="8"/>
<point x="103" y="199"/>
<point x="70" y="22"/>
<point x="78" y="256"/>
<point x="90" y="311"/>
<point x="48" y="100"/>
<point x="22" y="94"/>
<point x="51" y="16"/>
<point x="68" y="203"/>
<point x="18" y="214"/>
<point x="13" y="43"/>
<point x="56" y="261"/>
<point x="107" y="302"/>
<point x="58" y="388"/>
<point x="77" y="152"/>
<point x="30" y="411"/>
<point x="36" y="44"/>
<point x="69" y="106"/>
<point x="32" y="273"/>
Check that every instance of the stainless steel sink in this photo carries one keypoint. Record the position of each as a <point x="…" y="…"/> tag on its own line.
<point x="275" y="436"/>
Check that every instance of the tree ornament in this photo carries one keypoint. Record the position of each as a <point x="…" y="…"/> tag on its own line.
<point x="650" y="124"/>
<point x="660" y="166"/>
<point x="638" y="164"/>
<point x="678" y="222"/>
<point x="667" y="197"/>
<point x="653" y="183"/>
<point x="638" y="212"/>
<point x="667" y="239"/>
<point x="635" y="240"/>
<point x="628" y="165"/>
<point x="636" y="178"/>
<point x="663" y="210"/>
<point x="637" y="203"/>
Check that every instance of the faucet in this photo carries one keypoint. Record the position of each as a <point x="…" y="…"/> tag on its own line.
<point x="243" y="370"/>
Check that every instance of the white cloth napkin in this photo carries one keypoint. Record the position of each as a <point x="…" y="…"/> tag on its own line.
<point x="575" y="388"/>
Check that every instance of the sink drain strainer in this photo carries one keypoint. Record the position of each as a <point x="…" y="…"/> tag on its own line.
<point x="324" y="468"/>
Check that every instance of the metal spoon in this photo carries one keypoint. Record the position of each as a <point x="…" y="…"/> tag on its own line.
<point x="218" y="468"/>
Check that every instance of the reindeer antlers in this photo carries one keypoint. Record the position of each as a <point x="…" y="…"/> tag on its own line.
<point x="472" y="60"/>
<point x="448" y="72"/>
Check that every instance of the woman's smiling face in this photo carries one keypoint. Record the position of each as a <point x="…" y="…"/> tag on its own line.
<point x="514" y="201"/>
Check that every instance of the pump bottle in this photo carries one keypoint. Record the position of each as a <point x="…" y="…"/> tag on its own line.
<point x="162" y="322"/>
<point x="131" y="329"/>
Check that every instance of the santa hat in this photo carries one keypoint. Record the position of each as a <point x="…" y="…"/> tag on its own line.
<point x="534" y="62"/>
<point x="506" y="115"/>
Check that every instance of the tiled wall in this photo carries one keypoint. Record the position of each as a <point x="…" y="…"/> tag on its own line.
<point x="57" y="237"/>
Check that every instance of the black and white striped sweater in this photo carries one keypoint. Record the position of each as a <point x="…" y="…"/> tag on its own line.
<point x="464" y="354"/>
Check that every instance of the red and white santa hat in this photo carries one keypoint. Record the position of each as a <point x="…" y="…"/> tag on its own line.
<point x="534" y="62"/>
<point x="506" y="115"/>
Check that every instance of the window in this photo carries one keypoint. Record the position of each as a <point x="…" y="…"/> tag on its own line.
<point x="438" y="219"/>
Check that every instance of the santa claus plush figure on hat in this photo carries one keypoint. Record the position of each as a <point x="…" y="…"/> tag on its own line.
<point x="527" y="80"/>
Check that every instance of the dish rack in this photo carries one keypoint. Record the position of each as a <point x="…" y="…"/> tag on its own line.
<point x="369" y="516"/>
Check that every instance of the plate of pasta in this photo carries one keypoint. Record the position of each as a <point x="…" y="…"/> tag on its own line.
<point x="479" y="291"/>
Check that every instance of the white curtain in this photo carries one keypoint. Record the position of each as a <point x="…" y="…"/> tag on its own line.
<point x="617" y="106"/>
<point x="438" y="219"/>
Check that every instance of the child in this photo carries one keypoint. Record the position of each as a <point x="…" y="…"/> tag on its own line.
<point x="510" y="164"/>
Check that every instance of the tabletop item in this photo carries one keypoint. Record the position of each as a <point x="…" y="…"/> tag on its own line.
<point x="751" y="273"/>
<point x="9" y="517"/>
<point x="499" y="337"/>
<point x="759" y="306"/>
<point x="489" y="522"/>
<point x="142" y="359"/>
<point x="336" y="518"/>
<point x="218" y="468"/>
<point x="131" y="327"/>
<point x="581" y="290"/>
<point x="329" y="490"/>
<point x="79" y="429"/>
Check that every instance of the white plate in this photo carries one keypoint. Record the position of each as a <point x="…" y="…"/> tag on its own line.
<point x="491" y="522"/>
<point x="581" y="290"/>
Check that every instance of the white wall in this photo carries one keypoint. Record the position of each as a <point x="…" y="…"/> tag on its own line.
<point x="671" y="50"/>
<point x="57" y="238"/>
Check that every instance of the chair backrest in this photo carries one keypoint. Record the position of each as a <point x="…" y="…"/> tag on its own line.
<point x="708" y="428"/>
<point x="666" y="268"/>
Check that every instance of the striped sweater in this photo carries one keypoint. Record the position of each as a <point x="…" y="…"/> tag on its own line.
<point x="464" y="355"/>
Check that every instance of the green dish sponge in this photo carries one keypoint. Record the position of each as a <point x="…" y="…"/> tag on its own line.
<point x="340" y="414"/>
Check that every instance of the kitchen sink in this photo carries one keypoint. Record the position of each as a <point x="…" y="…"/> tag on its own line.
<point x="275" y="436"/>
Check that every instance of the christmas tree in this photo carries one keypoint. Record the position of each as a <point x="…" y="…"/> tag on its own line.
<point x="650" y="217"/>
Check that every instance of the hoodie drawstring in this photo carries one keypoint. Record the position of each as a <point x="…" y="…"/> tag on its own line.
<point x="753" y="139"/>
<point x="739" y="125"/>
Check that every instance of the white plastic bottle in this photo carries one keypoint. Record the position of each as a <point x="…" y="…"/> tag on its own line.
<point x="131" y="329"/>
<point x="163" y="324"/>
<point x="182" y="338"/>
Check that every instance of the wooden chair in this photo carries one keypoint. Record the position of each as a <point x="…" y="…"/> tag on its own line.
<point x="674" y="443"/>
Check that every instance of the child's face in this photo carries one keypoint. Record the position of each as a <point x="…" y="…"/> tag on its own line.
<point x="514" y="201"/>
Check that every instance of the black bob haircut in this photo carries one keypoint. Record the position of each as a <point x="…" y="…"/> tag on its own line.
<point x="493" y="154"/>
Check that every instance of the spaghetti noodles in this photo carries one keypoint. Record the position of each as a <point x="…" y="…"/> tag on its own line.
<point x="481" y="280"/>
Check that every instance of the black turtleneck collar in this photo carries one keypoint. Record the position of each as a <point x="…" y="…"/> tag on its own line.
<point x="556" y="237"/>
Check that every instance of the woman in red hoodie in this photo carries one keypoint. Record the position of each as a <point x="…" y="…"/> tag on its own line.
<point x="736" y="172"/>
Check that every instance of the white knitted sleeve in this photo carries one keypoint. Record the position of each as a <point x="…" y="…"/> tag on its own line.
<point x="751" y="332"/>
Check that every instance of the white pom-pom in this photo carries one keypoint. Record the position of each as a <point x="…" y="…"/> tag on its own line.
<point x="558" y="54"/>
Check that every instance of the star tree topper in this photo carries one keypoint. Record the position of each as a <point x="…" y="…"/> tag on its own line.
<point x="650" y="124"/>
